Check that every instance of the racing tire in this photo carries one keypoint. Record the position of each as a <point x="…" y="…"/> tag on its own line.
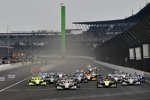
<point x="57" y="88"/>
<point x="139" y="84"/>
<point x="115" y="86"/>
<point x="86" y="81"/>
<point x="123" y="84"/>
<point x="98" y="85"/>
<point x="78" y="85"/>
<point x="75" y="88"/>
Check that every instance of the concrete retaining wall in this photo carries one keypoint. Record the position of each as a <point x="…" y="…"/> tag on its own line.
<point x="15" y="65"/>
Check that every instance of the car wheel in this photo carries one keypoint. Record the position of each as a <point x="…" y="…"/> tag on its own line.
<point x="139" y="83"/>
<point x="57" y="88"/>
<point x="78" y="85"/>
<point x="122" y="84"/>
<point x="86" y="81"/>
<point x="115" y="85"/>
<point x="75" y="87"/>
<point x="98" y="85"/>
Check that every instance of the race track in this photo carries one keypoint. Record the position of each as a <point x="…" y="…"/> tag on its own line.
<point x="17" y="89"/>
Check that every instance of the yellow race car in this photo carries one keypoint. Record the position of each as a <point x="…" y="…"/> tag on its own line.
<point x="36" y="80"/>
<point x="106" y="82"/>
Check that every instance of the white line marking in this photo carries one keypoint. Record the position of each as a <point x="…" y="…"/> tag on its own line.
<point x="13" y="84"/>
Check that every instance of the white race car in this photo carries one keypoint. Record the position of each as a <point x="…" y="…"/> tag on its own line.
<point x="117" y="78"/>
<point x="129" y="80"/>
<point x="80" y="77"/>
<point x="66" y="84"/>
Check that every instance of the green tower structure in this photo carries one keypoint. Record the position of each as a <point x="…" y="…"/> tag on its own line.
<point x="63" y="31"/>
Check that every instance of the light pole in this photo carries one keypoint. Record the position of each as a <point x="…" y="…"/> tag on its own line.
<point x="7" y="41"/>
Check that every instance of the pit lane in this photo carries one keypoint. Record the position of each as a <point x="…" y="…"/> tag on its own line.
<point x="88" y="90"/>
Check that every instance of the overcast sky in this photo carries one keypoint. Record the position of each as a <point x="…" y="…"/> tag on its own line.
<point x="27" y="15"/>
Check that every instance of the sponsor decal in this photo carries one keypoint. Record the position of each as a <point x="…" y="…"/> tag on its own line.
<point x="2" y="79"/>
<point x="11" y="76"/>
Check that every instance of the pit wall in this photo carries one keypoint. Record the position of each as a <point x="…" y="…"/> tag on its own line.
<point x="17" y="65"/>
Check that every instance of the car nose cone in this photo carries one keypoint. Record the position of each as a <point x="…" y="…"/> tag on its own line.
<point x="66" y="85"/>
<point x="131" y="80"/>
<point x="37" y="82"/>
<point x="106" y="83"/>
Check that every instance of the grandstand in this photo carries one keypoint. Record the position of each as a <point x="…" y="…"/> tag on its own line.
<point x="105" y="30"/>
<point x="119" y="36"/>
<point x="116" y="50"/>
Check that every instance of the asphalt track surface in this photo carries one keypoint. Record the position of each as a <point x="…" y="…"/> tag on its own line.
<point x="17" y="89"/>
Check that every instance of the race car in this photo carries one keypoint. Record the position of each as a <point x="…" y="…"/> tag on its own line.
<point x="60" y="74"/>
<point x="94" y="75"/>
<point x="43" y="75"/>
<point x="117" y="78"/>
<point x="66" y="84"/>
<point x="88" y="75"/>
<point x="96" y="68"/>
<point x="80" y="77"/>
<point x="139" y="77"/>
<point x="106" y="82"/>
<point x="51" y="79"/>
<point x="99" y="77"/>
<point x="36" y="80"/>
<point x="89" y="68"/>
<point x="118" y="75"/>
<point x="130" y="80"/>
